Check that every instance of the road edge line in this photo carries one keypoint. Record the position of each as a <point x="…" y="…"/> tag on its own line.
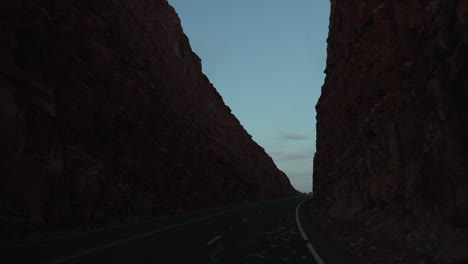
<point x="125" y="240"/>
<point x="20" y="244"/>
<point x="304" y="236"/>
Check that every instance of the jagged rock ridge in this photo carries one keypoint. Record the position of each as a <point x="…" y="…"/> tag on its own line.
<point x="392" y="124"/>
<point x="106" y="115"/>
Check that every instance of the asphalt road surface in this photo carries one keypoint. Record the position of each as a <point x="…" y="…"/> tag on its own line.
<point x="261" y="232"/>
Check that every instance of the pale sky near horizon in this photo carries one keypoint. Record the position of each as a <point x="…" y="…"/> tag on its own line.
<point x="266" y="59"/>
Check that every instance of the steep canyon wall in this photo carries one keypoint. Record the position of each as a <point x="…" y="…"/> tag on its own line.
<point x="106" y="115"/>
<point x="392" y="120"/>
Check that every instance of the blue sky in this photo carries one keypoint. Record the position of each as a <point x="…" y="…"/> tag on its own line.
<point x="266" y="59"/>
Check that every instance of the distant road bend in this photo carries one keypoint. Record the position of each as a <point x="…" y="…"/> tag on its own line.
<point x="261" y="232"/>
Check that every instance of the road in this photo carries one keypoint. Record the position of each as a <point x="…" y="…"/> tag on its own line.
<point x="261" y="232"/>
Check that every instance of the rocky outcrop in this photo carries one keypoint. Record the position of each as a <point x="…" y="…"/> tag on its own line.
<point x="106" y="115"/>
<point x="392" y="121"/>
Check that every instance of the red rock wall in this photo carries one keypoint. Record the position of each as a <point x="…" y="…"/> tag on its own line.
<point x="392" y="120"/>
<point x="106" y="115"/>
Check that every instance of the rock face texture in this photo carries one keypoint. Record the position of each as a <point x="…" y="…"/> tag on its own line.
<point x="106" y="115"/>
<point x="392" y="121"/>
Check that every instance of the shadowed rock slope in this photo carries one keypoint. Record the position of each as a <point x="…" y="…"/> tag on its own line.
<point x="106" y="115"/>
<point x="392" y="121"/>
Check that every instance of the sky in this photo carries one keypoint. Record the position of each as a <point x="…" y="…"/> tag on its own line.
<point x="266" y="59"/>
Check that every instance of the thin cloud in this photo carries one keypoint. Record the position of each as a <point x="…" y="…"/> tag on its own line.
<point x="292" y="136"/>
<point x="293" y="156"/>
<point x="296" y="157"/>
<point x="278" y="153"/>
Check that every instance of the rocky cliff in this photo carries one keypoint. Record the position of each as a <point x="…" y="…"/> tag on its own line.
<point x="106" y="115"/>
<point x="392" y="121"/>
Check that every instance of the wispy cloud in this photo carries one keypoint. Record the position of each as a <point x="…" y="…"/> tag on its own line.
<point x="278" y="153"/>
<point x="294" y="156"/>
<point x="293" y="136"/>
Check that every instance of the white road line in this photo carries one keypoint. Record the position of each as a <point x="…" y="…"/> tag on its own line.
<point x="304" y="236"/>
<point x="213" y="240"/>
<point x="122" y="241"/>
<point x="121" y="225"/>
<point x="245" y="219"/>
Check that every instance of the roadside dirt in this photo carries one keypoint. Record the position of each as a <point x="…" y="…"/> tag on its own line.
<point x="369" y="247"/>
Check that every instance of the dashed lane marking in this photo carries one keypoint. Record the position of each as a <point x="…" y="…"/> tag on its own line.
<point x="213" y="240"/>
<point x="122" y="241"/>
<point x="119" y="226"/>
